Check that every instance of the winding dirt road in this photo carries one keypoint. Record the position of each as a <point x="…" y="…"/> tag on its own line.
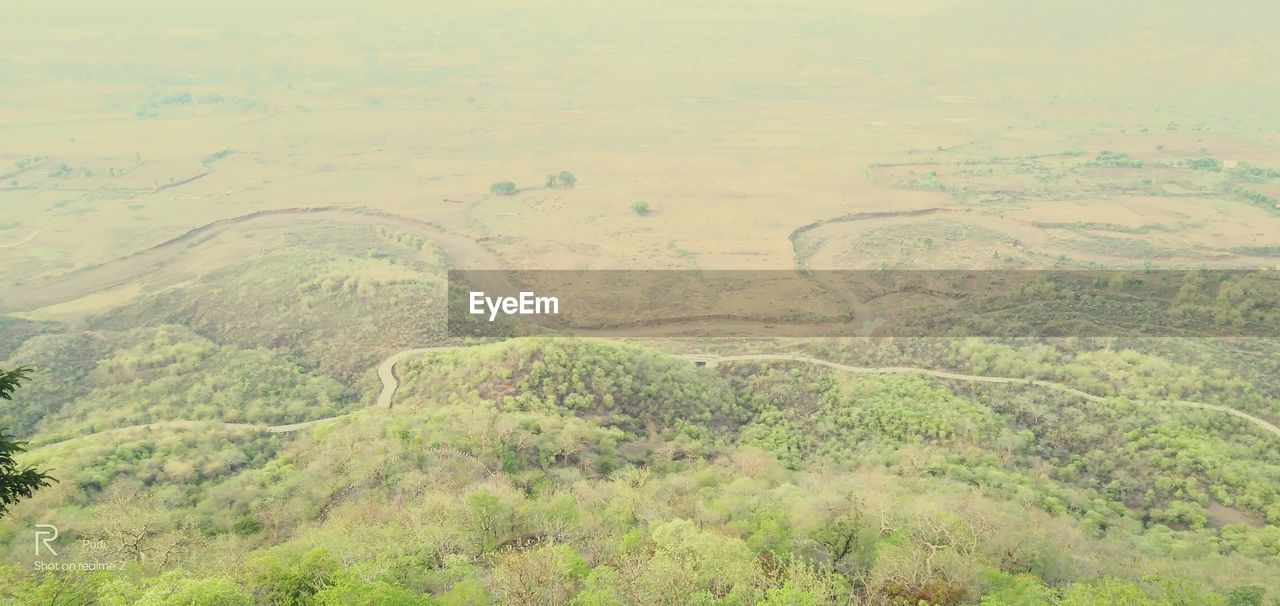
<point x="387" y="372"/>
<point x="160" y="265"/>
<point x="22" y="241"/>
<point x="942" y="374"/>
<point x="390" y="384"/>
<point x="193" y="425"/>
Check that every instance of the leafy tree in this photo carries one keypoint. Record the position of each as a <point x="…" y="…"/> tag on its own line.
<point x="769" y="532"/>
<point x="789" y="595"/>
<point x="351" y="591"/>
<point x="1246" y="595"/>
<point x="19" y="587"/>
<point x="801" y="583"/>
<point x="552" y="181"/>
<point x="246" y="525"/>
<point x="1024" y="589"/>
<point x="467" y="592"/>
<point x="1108" y="159"/>
<point x="567" y="180"/>
<point x="16" y="483"/>
<point x="293" y="581"/>
<point x="11" y="380"/>
<point x="1254" y="174"/>
<point x="503" y="188"/>
<point x="175" y="588"/>
<point x="489" y="517"/>
<point x="1188" y="513"/>
<point x="543" y="575"/>
<point x="690" y="561"/>
<point x="1109" y="592"/>
<point x="1255" y="196"/>
<point x="600" y="588"/>
<point x="1206" y="164"/>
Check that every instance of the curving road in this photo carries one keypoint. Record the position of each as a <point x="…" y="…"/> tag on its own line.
<point x="22" y="241"/>
<point x="942" y="374"/>
<point x="387" y="372"/>
<point x="191" y="425"/>
<point x="390" y="384"/>
<point x="157" y="264"/>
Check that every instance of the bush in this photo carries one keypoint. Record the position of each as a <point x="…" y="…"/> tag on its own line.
<point x="567" y="180"/>
<point x="1254" y="174"/>
<point x="1206" y="164"/>
<point x="247" y="525"/>
<point x="467" y="592"/>
<point x="640" y="207"/>
<point x="503" y="188"/>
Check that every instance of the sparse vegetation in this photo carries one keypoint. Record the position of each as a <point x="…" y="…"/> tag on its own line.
<point x="1257" y="251"/>
<point x="1256" y="197"/>
<point x="1254" y="174"/>
<point x="503" y="188"/>
<point x="931" y="181"/>
<point x="211" y="158"/>
<point x="1206" y="164"/>
<point x="1108" y="159"/>
<point x="567" y="180"/>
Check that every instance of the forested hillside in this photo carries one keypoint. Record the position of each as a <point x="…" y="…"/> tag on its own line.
<point x="585" y="472"/>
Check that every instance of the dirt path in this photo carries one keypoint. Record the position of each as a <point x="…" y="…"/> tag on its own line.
<point x="22" y="241"/>
<point x="387" y="372"/>
<point x="154" y="265"/>
<point x="1269" y="427"/>
<point x="802" y="255"/>
<point x="192" y="425"/>
<point x="390" y="384"/>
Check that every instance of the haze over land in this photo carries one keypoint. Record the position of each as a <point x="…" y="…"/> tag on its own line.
<point x="737" y="123"/>
<point x="217" y="221"/>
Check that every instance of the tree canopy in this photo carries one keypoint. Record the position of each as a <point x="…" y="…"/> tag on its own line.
<point x="17" y="482"/>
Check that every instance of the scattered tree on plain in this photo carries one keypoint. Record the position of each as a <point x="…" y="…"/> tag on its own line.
<point x="503" y="188"/>
<point x="567" y="180"/>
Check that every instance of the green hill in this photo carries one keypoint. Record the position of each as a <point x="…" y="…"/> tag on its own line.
<point x="546" y="471"/>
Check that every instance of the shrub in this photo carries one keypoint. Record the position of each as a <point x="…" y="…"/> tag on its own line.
<point x="567" y="180"/>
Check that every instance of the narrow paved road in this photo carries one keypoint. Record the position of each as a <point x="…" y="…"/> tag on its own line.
<point x="387" y="372"/>
<point x="390" y="384"/>
<point x="184" y="424"/>
<point x="1269" y="427"/>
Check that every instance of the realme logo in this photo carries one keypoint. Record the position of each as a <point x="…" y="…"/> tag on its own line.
<point x="46" y="534"/>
